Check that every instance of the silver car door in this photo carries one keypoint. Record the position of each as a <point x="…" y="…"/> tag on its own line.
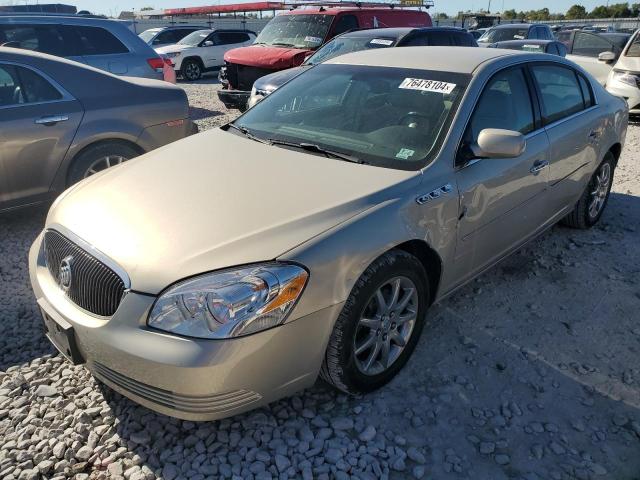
<point x="502" y="200"/>
<point x="573" y="126"/>
<point x="38" y="121"/>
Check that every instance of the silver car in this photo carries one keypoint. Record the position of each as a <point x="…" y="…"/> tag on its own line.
<point x="310" y="236"/>
<point x="105" y="44"/>
<point x="162" y="36"/>
<point x="61" y="121"/>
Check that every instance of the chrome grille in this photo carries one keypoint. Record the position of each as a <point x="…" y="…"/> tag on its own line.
<point x="90" y="284"/>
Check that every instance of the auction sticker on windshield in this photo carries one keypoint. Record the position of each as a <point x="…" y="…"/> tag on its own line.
<point x="427" y="85"/>
<point x="313" y="40"/>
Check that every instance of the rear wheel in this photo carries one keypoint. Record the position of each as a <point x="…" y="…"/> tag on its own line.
<point x="594" y="199"/>
<point x="97" y="158"/>
<point x="379" y="325"/>
<point x="191" y="70"/>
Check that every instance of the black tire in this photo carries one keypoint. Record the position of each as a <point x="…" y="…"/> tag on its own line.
<point x="94" y="153"/>
<point x="581" y="217"/>
<point x="191" y="70"/>
<point x="339" y="367"/>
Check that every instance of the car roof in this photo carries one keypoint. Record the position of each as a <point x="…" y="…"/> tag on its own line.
<point x="514" y="25"/>
<point x="336" y="10"/>
<point x="398" y="32"/>
<point x="71" y="19"/>
<point x="448" y="59"/>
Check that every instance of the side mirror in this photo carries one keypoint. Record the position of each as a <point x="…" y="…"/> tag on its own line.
<point x="607" y="57"/>
<point x="499" y="143"/>
<point x="208" y="43"/>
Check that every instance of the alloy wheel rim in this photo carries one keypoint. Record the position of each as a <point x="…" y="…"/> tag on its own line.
<point x="600" y="190"/>
<point x="385" y="326"/>
<point x="192" y="71"/>
<point x="103" y="163"/>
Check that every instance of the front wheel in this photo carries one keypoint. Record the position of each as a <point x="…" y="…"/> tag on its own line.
<point x="99" y="157"/>
<point x="594" y="199"/>
<point x="191" y="70"/>
<point x="379" y="325"/>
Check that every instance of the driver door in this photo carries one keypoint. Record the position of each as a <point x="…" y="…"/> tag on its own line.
<point x="502" y="200"/>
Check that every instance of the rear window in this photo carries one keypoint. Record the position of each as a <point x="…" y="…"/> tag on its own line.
<point x="97" y="41"/>
<point x="40" y="38"/>
<point x="504" y="34"/>
<point x="440" y="39"/>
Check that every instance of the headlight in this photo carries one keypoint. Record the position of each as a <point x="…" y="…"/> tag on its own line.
<point x="173" y="54"/>
<point x="230" y="303"/>
<point x="626" y="77"/>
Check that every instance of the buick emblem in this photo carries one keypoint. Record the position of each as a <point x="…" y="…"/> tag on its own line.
<point x="64" y="272"/>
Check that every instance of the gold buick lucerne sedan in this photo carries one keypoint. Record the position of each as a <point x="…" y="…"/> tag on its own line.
<point x="310" y="236"/>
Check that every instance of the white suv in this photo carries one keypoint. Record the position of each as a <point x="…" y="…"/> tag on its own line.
<point x="203" y="50"/>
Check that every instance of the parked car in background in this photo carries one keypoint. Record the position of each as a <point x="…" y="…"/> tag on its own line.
<point x="595" y="52"/>
<point x="105" y="44"/>
<point x="478" y="32"/>
<point x="290" y="37"/>
<point x="61" y="121"/>
<point x="163" y="36"/>
<point x="552" y="47"/>
<point x="400" y="175"/>
<point x="364" y="40"/>
<point x="516" y="31"/>
<point x="624" y="78"/>
<point x="203" y="50"/>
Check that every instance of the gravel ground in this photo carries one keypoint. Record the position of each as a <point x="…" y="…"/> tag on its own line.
<point x="530" y="372"/>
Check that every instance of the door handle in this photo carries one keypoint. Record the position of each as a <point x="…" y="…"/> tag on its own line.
<point x="538" y="166"/>
<point x="51" y="120"/>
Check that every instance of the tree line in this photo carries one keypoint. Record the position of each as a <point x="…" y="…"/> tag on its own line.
<point x="616" y="10"/>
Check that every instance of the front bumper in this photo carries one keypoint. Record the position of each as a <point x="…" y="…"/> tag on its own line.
<point x="234" y="99"/>
<point x="188" y="378"/>
<point x="630" y="93"/>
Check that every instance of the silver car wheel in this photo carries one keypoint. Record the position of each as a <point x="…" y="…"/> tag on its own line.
<point x="192" y="71"/>
<point x="104" y="163"/>
<point x="386" y="324"/>
<point x="601" y="190"/>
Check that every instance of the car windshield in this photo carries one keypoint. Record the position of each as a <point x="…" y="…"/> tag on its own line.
<point x="301" y="31"/>
<point x="634" y="46"/>
<point x="195" y="38"/>
<point x="147" y="35"/>
<point x="503" y="34"/>
<point x="388" y="117"/>
<point x="347" y="44"/>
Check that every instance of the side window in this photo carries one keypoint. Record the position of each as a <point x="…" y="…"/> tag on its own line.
<point x="533" y="33"/>
<point x="228" y="38"/>
<point x="98" y="41"/>
<point x="590" y="45"/>
<point x="561" y="93"/>
<point x="345" y="23"/>
<point x="562" y="49"/>
<point x="164" y="37"/>
<point x="504" y="103"/>
<point x="416" y="41"/>
<point x="587" y="92"/>
<point x="19" y="85"/>
<point x="10" y="91"/>
<point x="462" y="40"/>
<point x="442" y="39"/>
<point x="40" y="38"/>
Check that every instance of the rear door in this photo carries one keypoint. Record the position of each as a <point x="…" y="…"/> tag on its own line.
<point x="502" y="199"/>
<point x="584" y="51"/>
<point x="38" y="121"/>
<point x="573" y="127"/>
<point x="101" y="49"/>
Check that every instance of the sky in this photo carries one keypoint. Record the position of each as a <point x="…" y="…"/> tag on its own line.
<point x="111" y="7"/>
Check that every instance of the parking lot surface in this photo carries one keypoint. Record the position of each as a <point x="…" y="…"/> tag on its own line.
<point x="530" y="372"/>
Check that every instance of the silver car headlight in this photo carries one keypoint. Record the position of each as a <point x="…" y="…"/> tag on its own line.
<point x="230" y="303"/>
<point x="627" y="78"/>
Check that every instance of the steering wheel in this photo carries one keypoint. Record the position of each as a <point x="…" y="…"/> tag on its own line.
<point x="415" y="119"/>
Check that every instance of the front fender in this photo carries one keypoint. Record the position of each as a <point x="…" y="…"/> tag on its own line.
<point x="338" y="257"/>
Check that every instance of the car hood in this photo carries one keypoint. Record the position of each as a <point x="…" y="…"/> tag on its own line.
<point x="216" y="200"/>
<point x="264" y="56"/>
<point x="273" y="81"/>
<point x="631" y="64"/>
<point x="173" y="48"/>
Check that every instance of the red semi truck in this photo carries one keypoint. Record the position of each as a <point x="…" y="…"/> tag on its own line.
<point x="291" y="36"/>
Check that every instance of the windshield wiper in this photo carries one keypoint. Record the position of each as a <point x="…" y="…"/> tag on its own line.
<point x="280" y="44"/>
<point x="245" y="131"/>
<point x="312" y="147"/>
